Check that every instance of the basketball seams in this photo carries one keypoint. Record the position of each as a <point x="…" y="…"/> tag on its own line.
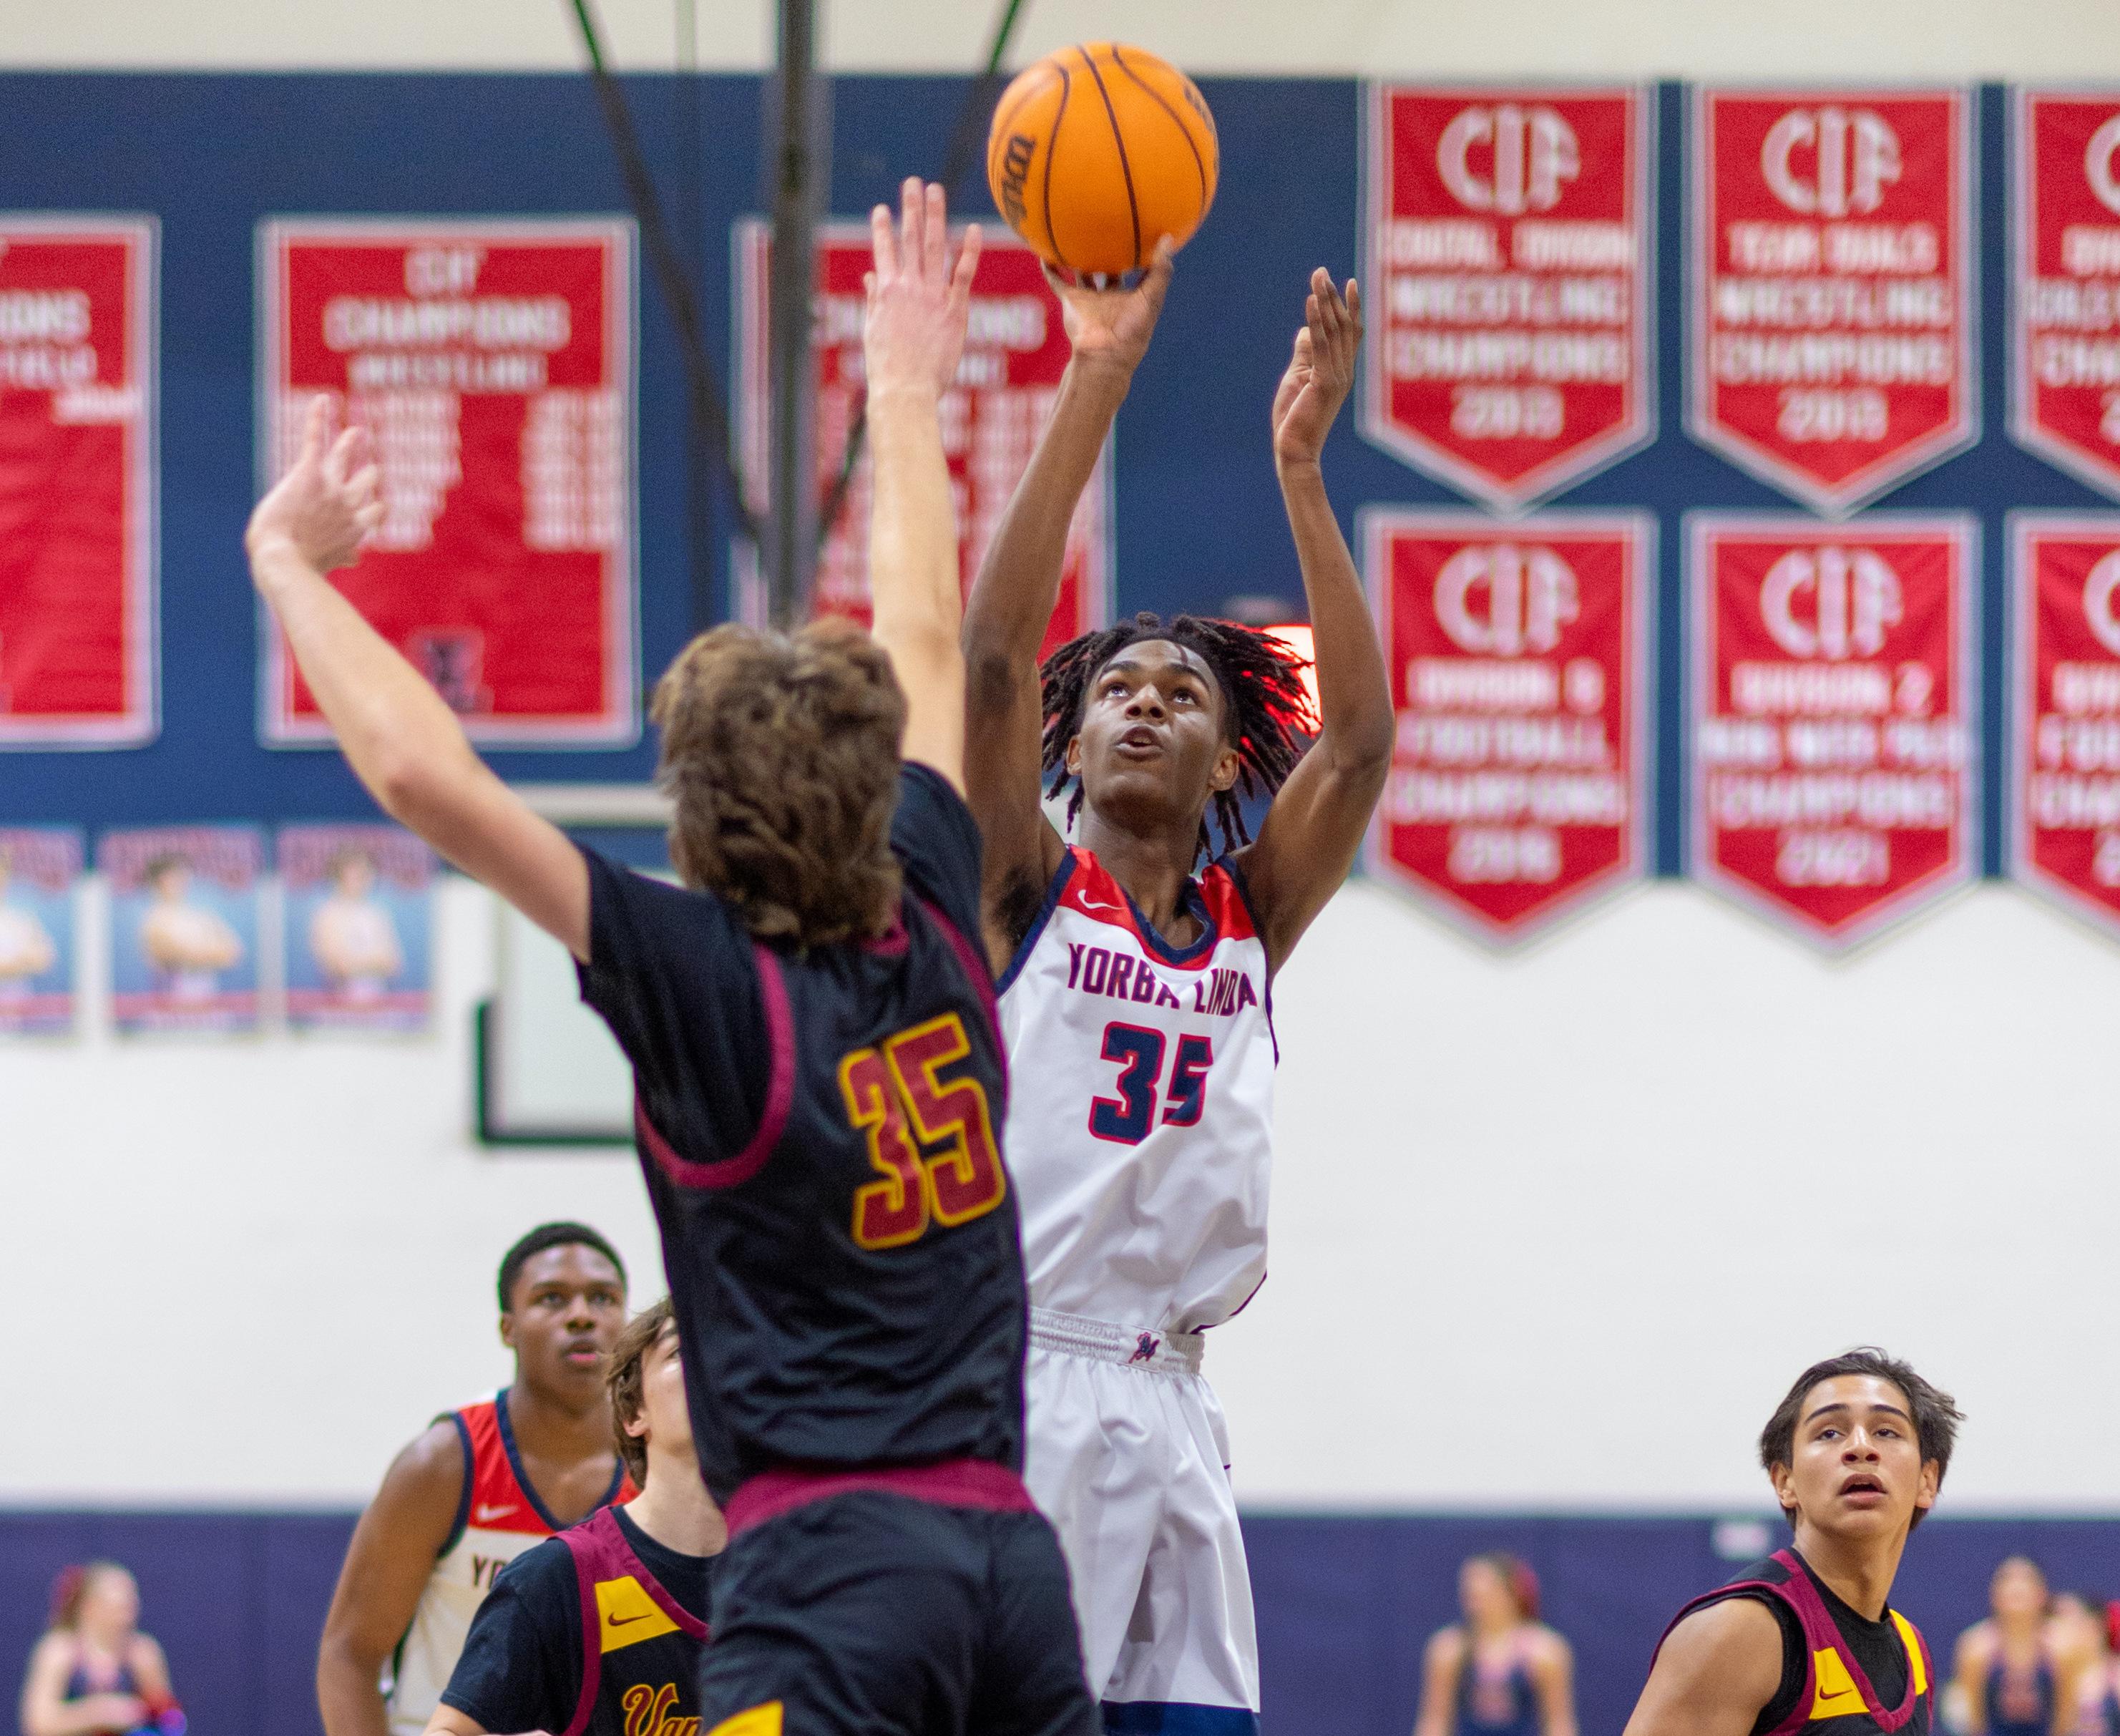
<point x="1052" y="148"/>
<point x="1177" y="120"/>
<point x="1126" y="169"/>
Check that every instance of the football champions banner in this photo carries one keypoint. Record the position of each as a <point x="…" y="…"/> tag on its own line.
<point x="1832" y="260"/>
<point x="2065" y="362"/>
<point x="1833" y="706"/>
<point x="2065" y="747"/>
<point x="1015" y="352"/>
<point x="78" y="421"/>
<point x="184" y="927"/>
<point x="1509" y="259"/>
<point x="1517" y="656"/>
<point x="357" y="927"/>
<point x="39" y="868"/>
<point x="493" y="362"/>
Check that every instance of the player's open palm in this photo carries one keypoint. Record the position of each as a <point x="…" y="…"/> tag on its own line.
<point x="328" y="503"/>
<point x="918" y="300"/>
<point x="1110" y="328"/>
<point x="1320" y="374"/>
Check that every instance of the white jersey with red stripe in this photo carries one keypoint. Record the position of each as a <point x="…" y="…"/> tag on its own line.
<point x="1140" y="1103"/>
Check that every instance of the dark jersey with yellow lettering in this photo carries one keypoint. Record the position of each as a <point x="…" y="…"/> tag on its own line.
<point x="820" y="1133"/>
<point x="1842" y="1675"/>
<point x="595" y="1633"/>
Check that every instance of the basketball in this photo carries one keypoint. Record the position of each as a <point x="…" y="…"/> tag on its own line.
<point x="1097" y="152"/>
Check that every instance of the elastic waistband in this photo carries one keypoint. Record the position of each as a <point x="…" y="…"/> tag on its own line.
<point x="1130" y="1347"/>
<point x="955" y="1483"/>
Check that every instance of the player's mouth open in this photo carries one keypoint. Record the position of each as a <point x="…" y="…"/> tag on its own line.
<point x="1140" y="742"/>
<point x="584" y="1354"/>
<point x="1863" y="1490"/>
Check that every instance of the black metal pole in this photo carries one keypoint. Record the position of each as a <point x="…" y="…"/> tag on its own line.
<point x="796" y="154"/>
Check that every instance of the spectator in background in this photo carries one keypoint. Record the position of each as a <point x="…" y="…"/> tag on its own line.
<point x="2080" y="1628"/>
<point x="94" y="1672"/>
<point x="1500" y="1671"/>
<point x="2012" y="1677"/>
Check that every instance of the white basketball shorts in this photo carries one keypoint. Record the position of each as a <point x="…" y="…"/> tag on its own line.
<point x="1127" y="1455"/>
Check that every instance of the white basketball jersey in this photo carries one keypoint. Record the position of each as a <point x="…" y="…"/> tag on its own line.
<point x="1140" y="1104"/>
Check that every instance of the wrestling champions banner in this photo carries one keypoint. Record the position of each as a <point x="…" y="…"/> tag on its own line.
<point x="1832" y="255"/>
<point x="1509" y="260"/>
<point x="77" y="422"/>
<point x="1518" y="662"/>
<point x="493" y="362"/>
<point x="1015" y="353"/>
<point x="1833" y="705"/>
<point x="2065" y="744"/>
<point x="2065" y="361"/>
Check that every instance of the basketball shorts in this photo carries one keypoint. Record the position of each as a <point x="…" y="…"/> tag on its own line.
<point x="872" y="1613"/>
<point x="1127" y="1455"/>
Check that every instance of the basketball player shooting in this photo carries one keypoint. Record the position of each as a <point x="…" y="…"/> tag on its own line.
<point x="1806" y="1640"/>
<point x="819" y="1080"/>
<point x="1136" y="995"/>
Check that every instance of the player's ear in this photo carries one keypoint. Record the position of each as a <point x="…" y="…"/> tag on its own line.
<point x="1784" y="1481"/>
<point x="508" y="1330"/>
<point x="1227" y="765"/>
<point x="1931" y="1478"/>
<point x="1074" y="756"/>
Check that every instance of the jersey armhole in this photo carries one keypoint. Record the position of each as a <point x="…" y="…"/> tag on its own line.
<point x="1054" y="888"/>
<point x="463" y="1495"/>
<point x="728" y="1172"/>
<point x="591" y="1635"/>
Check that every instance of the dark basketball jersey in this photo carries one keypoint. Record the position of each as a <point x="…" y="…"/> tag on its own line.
<point x="594" y="1632"/>
<point x="2019" y="1702"/>
<point x="1837" y="1696"/>
<point x="819" y="1133"/>
<point x="1496" y="1702"/>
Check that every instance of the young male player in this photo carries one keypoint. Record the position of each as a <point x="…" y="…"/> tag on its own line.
<point x="1805" y="1640"/>
<point x="820" y="1085"/>
<point x="482" y="1485"/>
<point x="1137" y="998"/>
<point x="597" y="1632"/>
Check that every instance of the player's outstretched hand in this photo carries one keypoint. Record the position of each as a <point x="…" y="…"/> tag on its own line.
<point x="917" y="300"/>
<point x="1110" y="328"/>
<point x="1320" y="373"/>
<point x="327" y="505"/>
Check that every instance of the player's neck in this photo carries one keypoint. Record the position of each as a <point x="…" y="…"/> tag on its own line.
<point x="675" y="1508"/>
<point x="1859" y="1572"/>
<point x="1155" y="867"/>
<point x="548" y="1427"/>
<point x="2022" y="1632"/>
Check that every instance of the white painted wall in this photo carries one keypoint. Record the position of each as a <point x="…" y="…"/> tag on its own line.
<point x="1694" y="39"/>
<point x="1554" y="1231"/>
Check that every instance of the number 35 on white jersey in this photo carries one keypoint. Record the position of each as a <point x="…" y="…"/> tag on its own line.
<point x="1140" y="1103"/>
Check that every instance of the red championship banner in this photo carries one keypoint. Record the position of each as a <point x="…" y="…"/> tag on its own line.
<point x="77" y="426"/>
<point x="1509" y="262"/>
<point x="1832" y="256"/>
<point x="1834" y="711"/>
<point x="495" y="363"/>
<point x="1014" y="356"/>
<point x="1519" y="673"/>
<point x="2064" y="750"/>
<point x="2065" y="367"/>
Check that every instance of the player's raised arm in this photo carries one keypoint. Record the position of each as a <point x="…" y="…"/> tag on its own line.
<point x="1308" y="839"/>
<point x="1019" y="582"/>
<point x="402" y="741"/>
<point x="1714" y="1674"/>
<point x="913" y="335"/>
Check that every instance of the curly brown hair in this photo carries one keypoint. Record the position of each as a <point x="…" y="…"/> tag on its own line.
<point x="622" y="1377"/>
<point x="780" y="751"/>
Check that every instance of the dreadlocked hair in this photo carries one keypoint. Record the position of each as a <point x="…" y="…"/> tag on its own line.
<point x="1267" y="710"/>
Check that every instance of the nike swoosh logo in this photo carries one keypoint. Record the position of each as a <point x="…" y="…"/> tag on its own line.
<point x="486" y="1516"/>
<point x="627" y="1620"/>
<point x="1091" y="904"/>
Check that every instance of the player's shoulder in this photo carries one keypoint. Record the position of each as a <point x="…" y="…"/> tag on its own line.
<point x="1731" y="1629"/>
<point x="542" y="1574"/>
<point x="1447" y="1645"/>
<point x="1543" y="1645"/>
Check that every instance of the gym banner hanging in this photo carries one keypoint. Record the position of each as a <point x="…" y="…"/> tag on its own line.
<point x="1015" y="354"/>
<point x="493" y="362"/>
<point x="1509" y="258"/>
<point x="1519" y="673"/>
<point x="78" y="421"/>
<point x="1832" y="708"/>
<point x="2065" y="361"/>
<point x="2065" y="690"/>
<point x="1832" y="256"/>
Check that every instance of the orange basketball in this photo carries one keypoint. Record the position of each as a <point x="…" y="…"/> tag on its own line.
<point x="1097" y="151"/>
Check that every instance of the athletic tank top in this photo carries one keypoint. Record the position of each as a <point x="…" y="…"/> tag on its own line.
<point x="498" y="1517"/>
<point x="1838" y="1699"/>
<point x="1140" y="1123"/>
<point x="640" y="1648"/>
<point x="2019" y="1702"/>
<point x="1496" y="1702"/>
<point x="81" y="1682"/>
